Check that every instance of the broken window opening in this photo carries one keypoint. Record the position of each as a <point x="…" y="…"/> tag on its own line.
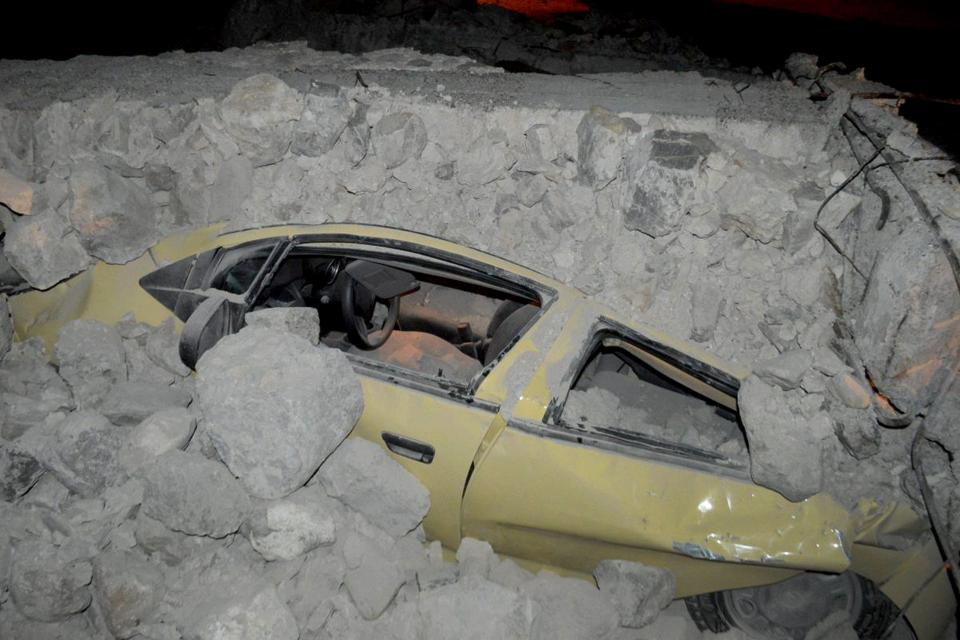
<point x="450" y="327"/>
<point x="628" y="389"/>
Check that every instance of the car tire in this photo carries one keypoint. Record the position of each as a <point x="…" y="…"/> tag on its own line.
<point x="709" y="612"/>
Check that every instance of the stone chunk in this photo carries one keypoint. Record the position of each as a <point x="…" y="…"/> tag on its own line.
<point x="476" y="557"/>
<point x="323" y="120"/>
<point x="786" y="446"/>
<point x="849" y="391"/>
<point x="300" y="321"/>
<point x="191" y="494"/>
<point x="361" y="475"/>
<point x="857" y="431"/>
<point x="92" y="360"/>
<point x="638" y="592"/>
<point x="292" y="526"/>
<point x="600" y="137"/>
<point x="398" y="137"/>
<point x="163" y="348"/>
<point x="19" y="471"/>
<point x="242" y="611"/>
<point x="116" y="219"/>
<point x="15" y="193"/>
<point x="130" y="403"/>
<point x="662" y="179"/>
<point x="374" y="580"/>
<point x="570" y="608"/>
<point x="757" y="204"/>
<point x="437" y="575"/>
<point x="273" y="426"/>
<point x="786" y="370"/>
<point x="44" y="250"/>
<point x="30" y="389"/>
<point x="477" y="609"/>
<point x="6" y="326"/>
<point x="46" y="584"/>
<point x="260" y="113"/>
<point x="705" y="307"/>
<point x="127" y="589"/>
<point x="163" y="431"/>
<point x="82" y="453"/>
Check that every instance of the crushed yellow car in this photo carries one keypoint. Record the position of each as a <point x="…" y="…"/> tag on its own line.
<point x="479" y="376"/>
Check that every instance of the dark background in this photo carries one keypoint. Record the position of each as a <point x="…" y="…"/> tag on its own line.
<point x="911" y="45"/>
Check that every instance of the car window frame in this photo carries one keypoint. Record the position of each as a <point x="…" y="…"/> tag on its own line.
<point x="373" y="247"/>
<point x="611" y="437"/>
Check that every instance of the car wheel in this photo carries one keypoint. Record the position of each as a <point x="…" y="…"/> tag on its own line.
<point x="789" y="609"/>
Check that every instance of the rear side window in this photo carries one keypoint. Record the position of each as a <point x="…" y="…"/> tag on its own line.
<point x="626" y="390"/>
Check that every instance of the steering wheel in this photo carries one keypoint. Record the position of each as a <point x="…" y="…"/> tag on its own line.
<point x="358" y="308"/>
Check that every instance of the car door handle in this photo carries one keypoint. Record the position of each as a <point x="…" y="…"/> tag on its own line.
<point x="408" y="448"/>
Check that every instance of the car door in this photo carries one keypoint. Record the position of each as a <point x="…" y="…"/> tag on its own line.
<point x="569" y="495"/>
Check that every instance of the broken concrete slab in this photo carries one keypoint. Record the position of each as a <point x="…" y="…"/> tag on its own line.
<point x="273" y="427"/>
<point x="362" y="476"/>
<point x="191" y="494"/>
<point x="638" y="592"/>
<point x="91" y="359"/>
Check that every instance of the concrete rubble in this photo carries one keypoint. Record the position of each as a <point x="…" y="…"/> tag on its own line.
<point x="707" y="223"/>
<point x="128" y="529"/>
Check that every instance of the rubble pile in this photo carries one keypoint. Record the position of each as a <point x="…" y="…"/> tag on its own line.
<point x="735" y="213"/>
<point x="174" y="526"/>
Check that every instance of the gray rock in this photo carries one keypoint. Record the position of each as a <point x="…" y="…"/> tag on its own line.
<point x="437" y="575"/>
<point x="475" y="557"/>
<point x="168" y="546"/>
<point x="310" y="593"/>
<point x="565" y="204"/>
<point x="398" y="137"/>
<point x="91" y="359"/>
<point x="662" y="177"/>
<point x="127" y="589"/>
<point x="361" y="475"/>
<point x="801" y="66"/>
<point x="19" y="471"/>
<point x="6" y="327"/>
<point x="477" y="609"/>
<point x="82" y="452"/>
<point x="638" y="592"/>
<point x="850" y="391"/>
<point x="600" y="138"/>
<point x="786" y="446"/>
<point x="355" y="139"/>
<point x="231" y="189"/>
<point x="30" y="389"/>
<point x="244" y="611"/>
<point x="46" y="584"/>
<point x="300" y="321"/>
<point x="191" y="494"/>
<point x="372" y="578"/>
<point x="485" y="161"/>
<point x="130" y="403"/>
<point x="290" y="527"/>
<point x="166" y="430"/>
<point x="44" y="250"/>
<point x="260" y="113"/>
<point x="541" y="142"/>
<point x="509" y="574"/>
<point x="530" y="189"/>
<point x="323" y="120"/>
<point x="163" y="348"/>
<point x="857" y="431"/>
<point x="570" y="608"/>
<point x="786" y="370"/>
<point x="273" y="426"/>
<point x="757" y="204"/>
<point x="116" y="219"/>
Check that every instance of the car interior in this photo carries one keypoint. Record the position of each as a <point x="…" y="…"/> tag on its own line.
<point x="617" y="389"/>
<point x="414" y="315"/>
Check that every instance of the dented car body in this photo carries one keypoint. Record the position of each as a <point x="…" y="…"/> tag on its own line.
<point x="484" y="419"/>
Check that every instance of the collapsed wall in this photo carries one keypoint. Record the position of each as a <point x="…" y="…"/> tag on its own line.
<point x="690" y="203"/>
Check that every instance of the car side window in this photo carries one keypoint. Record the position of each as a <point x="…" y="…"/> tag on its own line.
<point x="625" y="389"/>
